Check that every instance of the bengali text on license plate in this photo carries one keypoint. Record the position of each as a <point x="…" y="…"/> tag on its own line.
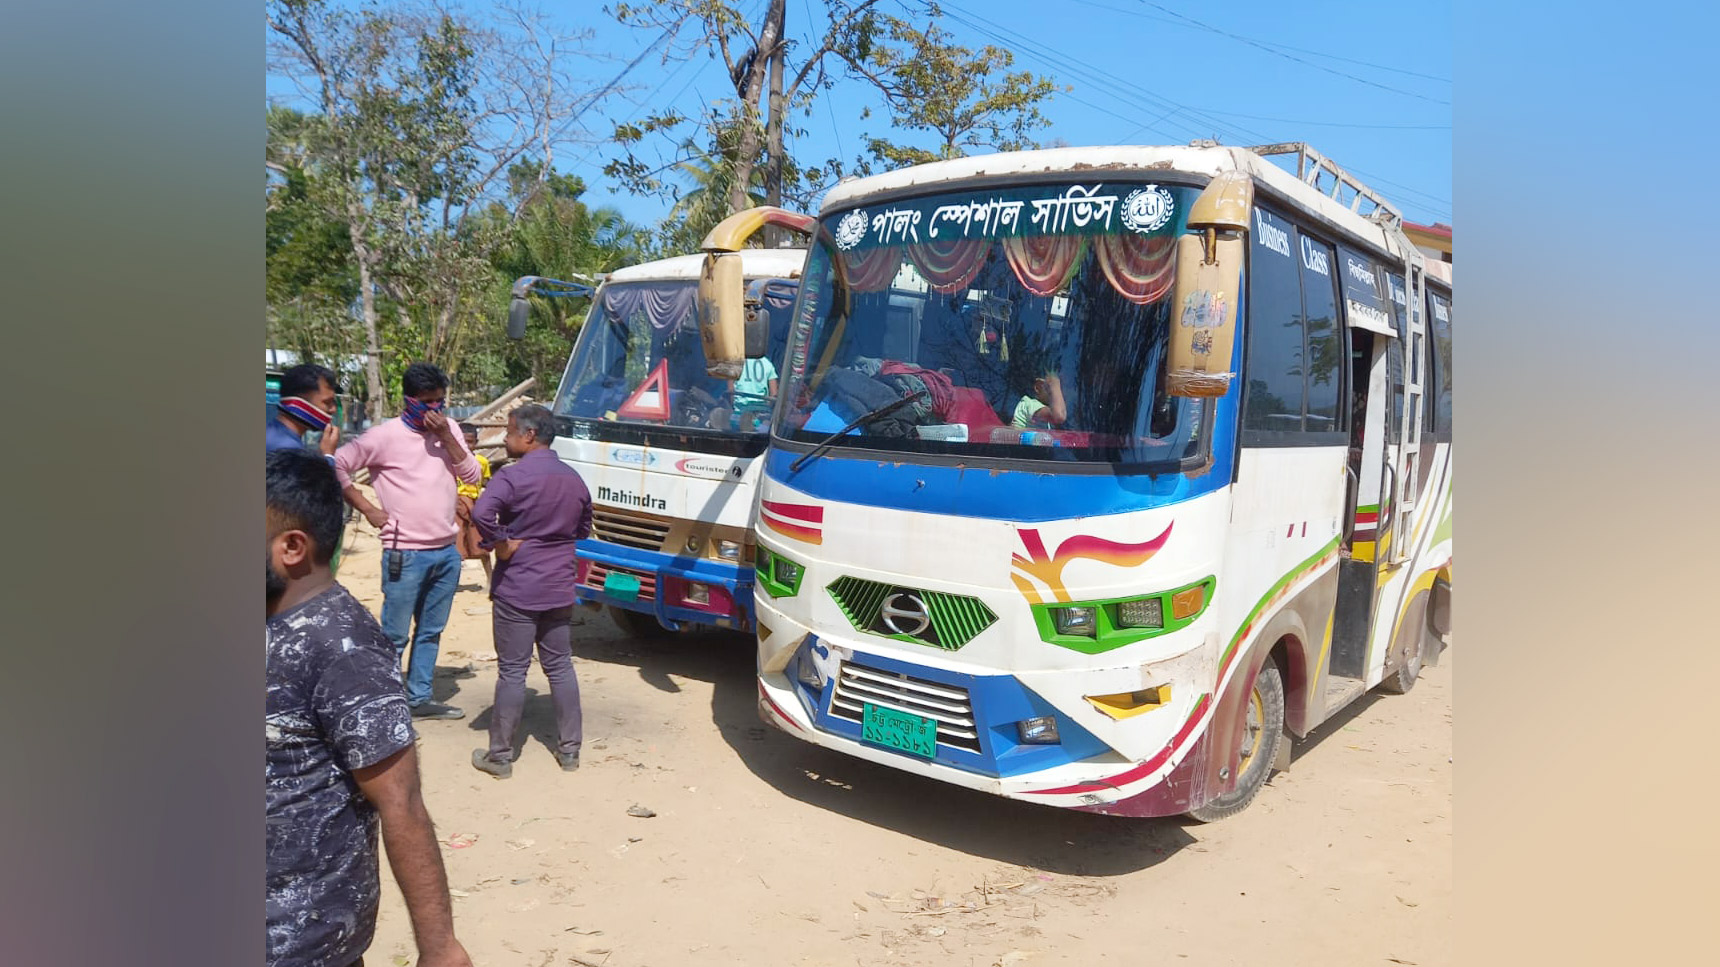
<point x="914" y="734"/>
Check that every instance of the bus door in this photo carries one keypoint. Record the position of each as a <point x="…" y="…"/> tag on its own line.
<point x="1407" y="393"/>
<point x="1375" y="355"/>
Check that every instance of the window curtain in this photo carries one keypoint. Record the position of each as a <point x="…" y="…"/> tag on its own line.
<point x="872" y="270"/>
<point x="949" y="266"/>
<point x="1044" y="263"/>
<point x="1139" y="268"/>
<point x="662" y="304"/>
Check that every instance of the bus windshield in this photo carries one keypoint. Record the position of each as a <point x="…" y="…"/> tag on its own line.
<point x="639" y="361"/>
<point x="1025" y="322"/>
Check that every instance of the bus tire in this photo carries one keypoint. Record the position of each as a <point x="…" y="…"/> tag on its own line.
<point x="636" y="625"/>
<point x="1404" y="679"/>
<point x="1263" y="729"/>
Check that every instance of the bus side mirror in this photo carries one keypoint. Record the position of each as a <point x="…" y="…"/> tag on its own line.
<point x="519" y="309"/>
<point x="722" y="315"/>
<point x="1208" y="285"/>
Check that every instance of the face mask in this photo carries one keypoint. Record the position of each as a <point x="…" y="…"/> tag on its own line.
<point x="412" y="412"/>
<point x="305" y="412"/>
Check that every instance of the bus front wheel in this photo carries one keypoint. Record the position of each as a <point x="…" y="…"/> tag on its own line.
<point x="1263" y="729"/>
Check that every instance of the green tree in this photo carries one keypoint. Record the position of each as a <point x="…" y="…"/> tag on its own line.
<point x="419" y="115"/>
<point x="557" y="236"/>
<point x="768" y="77"/>
<point x="310" y="280"/>
<point x="964" y="98"/>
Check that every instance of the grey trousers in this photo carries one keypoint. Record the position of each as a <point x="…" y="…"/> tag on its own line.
<point x="516" y="630"/>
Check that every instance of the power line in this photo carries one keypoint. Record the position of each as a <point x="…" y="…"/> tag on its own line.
<point x="648" y="98"/>
<point x="1268" y="43"/>
<point x="1335" y="124"/>
<point x="1280" y="53"/>
<point x="1061" y="61"/>
<point x="607" y="88"/>
<point x="835" y="129"/>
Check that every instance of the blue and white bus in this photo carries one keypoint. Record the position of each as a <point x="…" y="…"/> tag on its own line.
<point x="669" y="452"/>
<point x="1100" y="474"/>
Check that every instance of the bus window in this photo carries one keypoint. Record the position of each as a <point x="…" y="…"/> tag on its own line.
<point x="1275" y="360"/>
<point x="1440" y="386"/>
<point x="1325" y="342"/>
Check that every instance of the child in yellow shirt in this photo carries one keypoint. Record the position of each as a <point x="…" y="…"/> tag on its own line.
<point x="467" y="495"/>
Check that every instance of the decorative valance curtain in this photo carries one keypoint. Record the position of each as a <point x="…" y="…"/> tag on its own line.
<point x="1140" y="268"/>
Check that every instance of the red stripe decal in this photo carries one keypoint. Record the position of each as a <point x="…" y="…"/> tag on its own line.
<point x="809" y="513"/>
<point x="1145" y="768"/>
<point x="775" y="707"/>
<point x="806" y="535"/>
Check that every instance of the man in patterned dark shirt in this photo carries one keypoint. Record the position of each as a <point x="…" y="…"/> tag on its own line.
<point x="340" y="755"/>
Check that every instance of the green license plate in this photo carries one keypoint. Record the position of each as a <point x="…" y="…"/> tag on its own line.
<point x="623" y="586"/>
<point x="914" y="734"/>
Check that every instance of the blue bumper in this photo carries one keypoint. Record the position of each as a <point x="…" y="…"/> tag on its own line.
<point x="994" y="703"/>
<point x="663" y="579"/>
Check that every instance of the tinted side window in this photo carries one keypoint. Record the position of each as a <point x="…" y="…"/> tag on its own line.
<point x="1394" y="384"/>
<point x="1325" y="341"/>
<point x="1276" y="360"/>
<point x="1440" y="388"/>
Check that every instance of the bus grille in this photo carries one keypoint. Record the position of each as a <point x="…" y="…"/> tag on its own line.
<point x="856" y="685"/>
<point x="629" y="530"/>
<point x="595" y="574"/>
<point x="956" y="619"/>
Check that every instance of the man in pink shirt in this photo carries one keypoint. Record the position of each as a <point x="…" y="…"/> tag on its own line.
<point x="413" y="462"/>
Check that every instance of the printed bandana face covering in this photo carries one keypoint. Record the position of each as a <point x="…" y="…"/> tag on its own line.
<point x="412" y="412"/>
<point x="305" y="412"/>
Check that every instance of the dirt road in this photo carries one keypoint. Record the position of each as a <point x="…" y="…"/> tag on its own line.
<point x="767" y="851"/>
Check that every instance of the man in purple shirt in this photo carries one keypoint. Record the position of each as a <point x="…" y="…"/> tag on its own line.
<point x="532" y="512"/>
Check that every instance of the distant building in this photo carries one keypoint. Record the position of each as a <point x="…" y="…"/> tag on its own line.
<point x="1433" y="241"/>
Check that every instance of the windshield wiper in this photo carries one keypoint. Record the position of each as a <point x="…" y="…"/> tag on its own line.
<point x="864" y="419"/>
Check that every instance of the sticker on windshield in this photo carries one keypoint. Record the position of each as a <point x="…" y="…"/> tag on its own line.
<point x="651" y="400"/>
<point x="851" y="229"/>
<point x="1147" y="209"/>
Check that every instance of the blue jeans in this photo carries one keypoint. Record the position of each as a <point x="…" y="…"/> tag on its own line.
<point x="424" y="595"/>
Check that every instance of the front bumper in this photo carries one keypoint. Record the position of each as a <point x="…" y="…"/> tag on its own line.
<point x="1081" y="771"/>
<point x="664" y="580"/>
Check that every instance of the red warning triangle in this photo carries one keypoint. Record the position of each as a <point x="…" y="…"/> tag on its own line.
<point x="651" y="400"/>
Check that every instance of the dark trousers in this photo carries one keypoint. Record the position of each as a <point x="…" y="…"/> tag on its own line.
<point x="516" y="630"/>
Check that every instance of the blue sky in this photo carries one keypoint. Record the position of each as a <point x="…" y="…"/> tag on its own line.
<point x="1369" y="85"/>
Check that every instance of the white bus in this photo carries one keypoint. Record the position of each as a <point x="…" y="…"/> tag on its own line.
<point x="1099" y="474"/>
<point x="668" y="451"/>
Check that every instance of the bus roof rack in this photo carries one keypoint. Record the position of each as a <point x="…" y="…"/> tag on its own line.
<point x="1310" y="164"/>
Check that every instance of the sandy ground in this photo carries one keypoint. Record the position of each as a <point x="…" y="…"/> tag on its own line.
<point x="767" y="851"/>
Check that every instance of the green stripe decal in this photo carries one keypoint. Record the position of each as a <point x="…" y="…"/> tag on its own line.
<point x="1295" y="574"/>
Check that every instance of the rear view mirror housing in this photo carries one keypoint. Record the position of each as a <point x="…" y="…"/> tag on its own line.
<point x="722" y="315"/>
<point x="519" y="311"/>
<point x="1208" y="285"/>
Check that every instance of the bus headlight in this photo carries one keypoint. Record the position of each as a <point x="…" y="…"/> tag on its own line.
<point x="1141" y="613"/>
<point x="1038" y="731"/>
<point x="729" y="550"/>
<point x="806" y="671"/>
<point x="779" y="576"/>
<point x="699" y="594"/>
<point x="1075" y="621"/>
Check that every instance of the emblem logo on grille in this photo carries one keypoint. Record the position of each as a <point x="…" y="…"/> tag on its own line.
<point x="905" y="614"/>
